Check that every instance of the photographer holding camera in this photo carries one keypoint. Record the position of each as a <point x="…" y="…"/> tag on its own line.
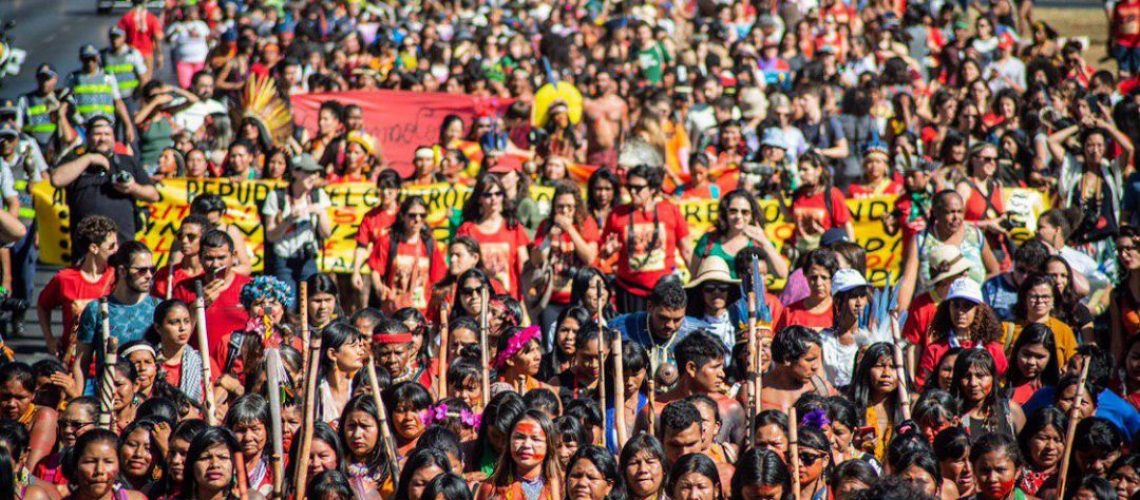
<point x="297" y="222"/>
<point x="99" y="181"/>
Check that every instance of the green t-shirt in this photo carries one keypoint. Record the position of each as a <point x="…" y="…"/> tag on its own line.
<point x="652" y="62"/>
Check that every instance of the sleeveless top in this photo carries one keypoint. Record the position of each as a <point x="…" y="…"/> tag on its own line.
<point x="971" y="248"/>
<point x="707" y="246"/>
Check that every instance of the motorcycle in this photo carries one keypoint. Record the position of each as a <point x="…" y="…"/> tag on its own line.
<point x="11" y="57"/>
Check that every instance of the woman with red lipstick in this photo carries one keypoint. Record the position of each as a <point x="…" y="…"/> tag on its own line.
<point x="996" y="462"/>
<point x="406" y="403"/>
<point x="529" y="470"/>
<point x="1042" y="440"/>
<point x="92" y="469"/>
<point x="368" y="468"/>
<point x="139" y="455"/>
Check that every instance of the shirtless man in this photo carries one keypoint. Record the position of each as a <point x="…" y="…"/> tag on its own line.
<point x="796" y="353"/>
<point x="607" y="116"/>
<point x="700" y="361"/>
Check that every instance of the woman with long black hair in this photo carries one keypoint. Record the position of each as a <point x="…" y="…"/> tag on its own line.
<point x="874" y="387"/>
<point x="367" y="463"/>
<point x="817" y="205"/>
<point x="528" y="468"/>
<point x="423" y="466"/>
<point x="211" y="471"/>
<point x="985" y="403"/>
<point x="1033" y="363"/>
<point x="406" y="261"/>
<point x="490" y="218"/>
<point x="565" y="242"/>
<point x="343" y="354"/>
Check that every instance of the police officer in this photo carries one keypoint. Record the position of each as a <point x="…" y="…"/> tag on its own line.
<point x="21" y="165"/>
<point x="39" y="110"/>
<point x="95" y="93"/>
<point x="125" y="63"/>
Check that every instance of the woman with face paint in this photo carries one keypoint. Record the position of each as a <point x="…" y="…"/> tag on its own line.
<point x="529" y="468"/>
<point x="985" y="403"/>
<point x="92" y="469"/>
<point x="996" y="461"/>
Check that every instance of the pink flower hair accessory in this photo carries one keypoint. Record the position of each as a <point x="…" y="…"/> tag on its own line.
<point x="515" y="344"/>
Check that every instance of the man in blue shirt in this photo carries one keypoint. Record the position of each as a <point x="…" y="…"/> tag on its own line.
<point x="660" y="326"/>
<point x="1000" y="292"/>
<point x="130" y="307"/>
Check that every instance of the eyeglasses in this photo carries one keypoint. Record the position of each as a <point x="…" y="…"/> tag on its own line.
<point x="1127" y="248"/>
<point x="987" y="159"/>
<point x="810" y="458"/>
<point x="715" y="288"/>
<point x="495" y="194"/>
<point x="1040" y="298"/>
<point x="471" y="290"/>
<point x="74" y="424"/>
<point x="142" y="270"/>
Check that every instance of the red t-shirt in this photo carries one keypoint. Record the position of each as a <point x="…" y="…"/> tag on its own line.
<point x="162" y="277"/>
<point x="223" y="316"/>
<point x="563" y="259"/>
<point x="403" y="275"/>
<point x="174" y="373"/>
<point x="919" y="316"/>
<point x="69" y="286"/>
<point x="934" y="352"/>
<point x="1126" y="23"/>
<point x="375" y="224"/>
<point x="798" y="314"/>
<point x="500" y="252"/>
<point x="811" y="213"/>
<point x="141" y="27"/>
<point x="644" y="259"/>
<point x="859" y="191"/>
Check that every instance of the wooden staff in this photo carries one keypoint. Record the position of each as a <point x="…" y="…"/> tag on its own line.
<point x="794" y="450"/>
<point x="385" y="432"/>
<point x="309" y="416"/>
<point x="619" y="392"/>
<point x="753" y="369"/>
<point x="485" y="305"/>
<point x="601" y="352"/>
<point x="651" y="417"/>
<point x="204" y="346"/>
<point x="106" y="379"/>
<point x="1071" y="431"/>
<point x="242" y="476"/>
<point x="520" y="385"/>
<point x="273" y="369"/>
<point x="170" y="271"/>
<point x="303" y="307"/>
<point x="900" y="369"/>
<point x="444" y="340"/>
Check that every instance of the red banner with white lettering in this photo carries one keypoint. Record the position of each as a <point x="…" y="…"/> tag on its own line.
<point x="400" y="121"/>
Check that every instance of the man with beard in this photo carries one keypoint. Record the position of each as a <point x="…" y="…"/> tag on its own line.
<point x="130" y="307"/>
<point x="221" y="286"/>
<point x="606" y="115"/>
<point x="194" y="116"/>
<point x="99" y="181"/>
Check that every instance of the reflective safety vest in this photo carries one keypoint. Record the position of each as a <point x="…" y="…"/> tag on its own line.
<point x="120" y="67"/>
<point x="37" y="121"/>
<point x="93" y="95"/>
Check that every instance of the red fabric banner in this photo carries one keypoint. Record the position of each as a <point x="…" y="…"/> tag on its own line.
<point x="400" y="121"/>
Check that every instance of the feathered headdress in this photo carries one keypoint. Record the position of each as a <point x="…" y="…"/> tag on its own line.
<point x="261" y="102"/>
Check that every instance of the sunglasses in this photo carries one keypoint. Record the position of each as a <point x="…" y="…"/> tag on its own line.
<point x="143" y="270"/>
<point x="715" y="288"/>
<point x="417" y="215"/>
<point x="634" y="188"/>
<point x="471" y="290"/>
<point x="74" y="424"/>
<point x="808" y="458"/>
<point x="496" y="194"/>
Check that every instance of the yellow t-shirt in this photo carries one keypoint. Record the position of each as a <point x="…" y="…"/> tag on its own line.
<point x="1063" y="337"/>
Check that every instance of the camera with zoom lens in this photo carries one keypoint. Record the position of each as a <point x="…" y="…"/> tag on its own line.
<point x="12" y="312"/>
<point x="538" y="137"/>
<point x="309" y="250"/>
<point x="122" y="177"/>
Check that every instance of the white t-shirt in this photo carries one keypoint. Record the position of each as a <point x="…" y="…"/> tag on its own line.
<point x="190" y="40"/>
<point x="300" y="232"/>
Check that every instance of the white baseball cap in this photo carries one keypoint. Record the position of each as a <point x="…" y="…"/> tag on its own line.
<point x="847" y="280"/>
<point x="966" y="288"/>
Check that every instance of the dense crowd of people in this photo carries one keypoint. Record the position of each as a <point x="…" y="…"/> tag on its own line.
<point x="592" y="344"/>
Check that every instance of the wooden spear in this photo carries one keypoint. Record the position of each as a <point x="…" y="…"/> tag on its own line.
<point x="1071" y="431"/>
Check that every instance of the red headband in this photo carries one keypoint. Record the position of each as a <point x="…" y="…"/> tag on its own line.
<point x="392" y="338"/>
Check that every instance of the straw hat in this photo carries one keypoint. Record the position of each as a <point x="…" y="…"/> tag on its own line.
<point x="946" y="261"/>
<point x="713" y="269"/>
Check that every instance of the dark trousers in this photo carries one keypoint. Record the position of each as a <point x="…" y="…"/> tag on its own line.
<point x="627" y="302"/>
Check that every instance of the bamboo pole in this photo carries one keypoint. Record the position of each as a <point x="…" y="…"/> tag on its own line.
<point x="106" y="376"/>
<point x="651" y="417"/>
<point x="273" y="370"/>
<point x="170" y="271"/>
<point x="794" y="451"/>
<point x="1071" y="431"/>
<point x="303" y="308"/>
<point x="242" y="476"/>
<point x="444" y="340"/>
<point x="619" y="393"/>
<point x="385" y="432"/>
<point x="601" y="353"/>
<point x="484" y="306"/>
<point x="753" y="367"/>
<point x="204" y="346"/>
<point x="309" y="416"/>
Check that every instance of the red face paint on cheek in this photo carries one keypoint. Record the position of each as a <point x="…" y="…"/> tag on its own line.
<point x="533" y="431"/>
<point x="1002" y="489"/>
